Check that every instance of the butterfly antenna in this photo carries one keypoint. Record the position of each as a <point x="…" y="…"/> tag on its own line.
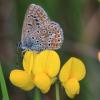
<point x="18" y="52"/>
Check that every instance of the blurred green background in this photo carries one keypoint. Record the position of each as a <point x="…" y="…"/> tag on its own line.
<point x="80" y="20"/>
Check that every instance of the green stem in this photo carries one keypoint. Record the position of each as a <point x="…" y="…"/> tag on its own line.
<point x="37" y="95"/>
<point x="57" y="91"/>
<point x="3" y="85"/>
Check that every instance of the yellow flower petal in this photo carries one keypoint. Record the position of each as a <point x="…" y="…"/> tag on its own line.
<point x="72" y="68"/>
<point x="28" y="60"/>
<point x="65" y="71"/>
<point x="47" y="61"/>
<point x="72" y="87"/>
<point x="21" y="79"/>
<point x="78" y="70"/>
<point x="99" y="56"/>
<point x="43" y="82"/>
<point x="53" y="65"/>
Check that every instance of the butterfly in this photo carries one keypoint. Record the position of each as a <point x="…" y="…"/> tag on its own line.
<point x="39" y="32"/>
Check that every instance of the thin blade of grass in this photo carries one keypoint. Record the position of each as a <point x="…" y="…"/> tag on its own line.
<point x="3" y="85"/>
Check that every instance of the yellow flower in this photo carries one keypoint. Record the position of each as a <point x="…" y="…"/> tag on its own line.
<point x="46" y="67"/>
<point x="21" y="79"/>
<point x="71" y="73"/>
<point x="28" y="60"/>
<point x="40" y="70"/>
<point x="48" y="62"/>
<point x="99" y="56"/>
<point x="24" y="79"/>
<point x="43" y="82"/>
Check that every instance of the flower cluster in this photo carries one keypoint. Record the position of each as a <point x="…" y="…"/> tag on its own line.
<point x="41" y="69"/>
<point x="71" y="73"/>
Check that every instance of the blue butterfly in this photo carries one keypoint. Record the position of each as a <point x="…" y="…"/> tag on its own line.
<point x="39" y="32"/>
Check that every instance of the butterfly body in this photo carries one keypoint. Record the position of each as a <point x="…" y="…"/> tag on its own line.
<point x="39" y="32"/>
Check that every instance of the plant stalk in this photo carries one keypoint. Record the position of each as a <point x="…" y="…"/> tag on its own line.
<point x="57" y="90"/>
<point x="37" y="95"/>
<point x="3" y="85"/>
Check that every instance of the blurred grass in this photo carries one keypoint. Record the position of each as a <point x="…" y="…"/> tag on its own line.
<point x="5" y="95"/>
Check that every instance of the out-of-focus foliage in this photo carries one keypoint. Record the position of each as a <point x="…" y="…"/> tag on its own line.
<point x="80" y="20"/>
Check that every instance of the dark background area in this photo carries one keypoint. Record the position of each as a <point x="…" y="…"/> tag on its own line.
<point x="80" y="20"/>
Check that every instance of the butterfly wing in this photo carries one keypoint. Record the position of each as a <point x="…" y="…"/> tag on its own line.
<point x="35" y="18"/>
<point x="39" y="32"/>
<point x="55" y="34"/>
<point x="49" y="36"/>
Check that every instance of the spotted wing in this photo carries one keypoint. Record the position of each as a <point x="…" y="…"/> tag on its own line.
<point x="55" y="36"/>
<point x="34" y="19"/>
<point x="49" y="36"/>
